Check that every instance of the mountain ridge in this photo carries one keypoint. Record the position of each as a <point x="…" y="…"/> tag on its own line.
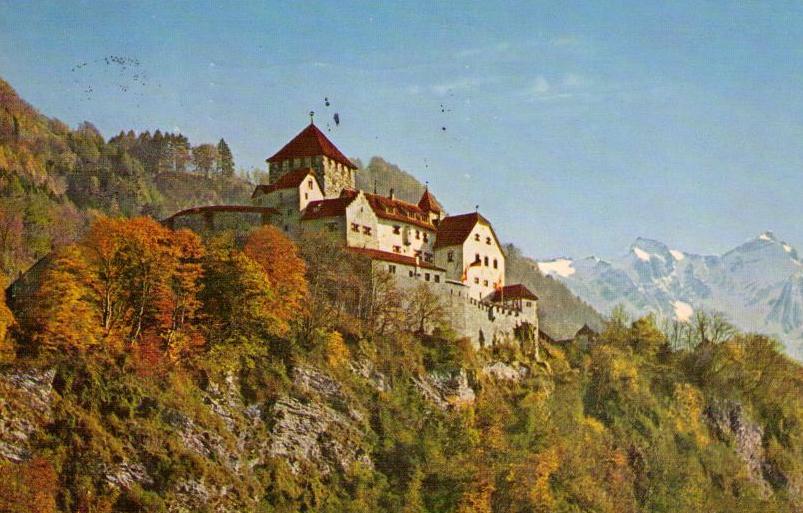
<point x="756" y="284"/>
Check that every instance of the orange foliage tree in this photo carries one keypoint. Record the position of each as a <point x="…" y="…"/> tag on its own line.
<point x="28" y="487"/>
<point x="125" y="280"/>
<point x="285" y="269"/>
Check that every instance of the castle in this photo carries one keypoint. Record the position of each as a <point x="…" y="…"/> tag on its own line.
<point x="312" y="188"/>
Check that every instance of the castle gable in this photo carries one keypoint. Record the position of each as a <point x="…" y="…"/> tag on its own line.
<point x="454" y="230"/>
<point x="291" y="180"/>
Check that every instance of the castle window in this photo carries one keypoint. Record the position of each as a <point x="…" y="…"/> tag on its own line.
<point x="296" y="162"/>
<point x="485" y="283"/>
<point x="428" y="257"/>
<point x="426" y="276"/>
<point x="417" y="234"/>
<point x="450" y="256"/>
<point x="309" y="184"/>
<point x="397" y="249"/>
<point x="426" y="237"/>
<point x="392" y="269"/>
<point x="411" y="274"/>
<point x="307" y="162"/>
<point x="477" y="258"/>
<point x="476" y="281"/>
<point x="477" y="236"/>
<point x="437" y="278"/>
<point x="529" y="303"/>
<point x="306" y="195"/>
<point x="488" y="240"/>
<point x="496" y="264"/>
<point x="332" y="226"/>
<point x="485" y="262"/>
<point x="396" y="229"/>
<point x="418" y="253"/>
<point x="366" y="230"/>
<point x="355" y="227"/>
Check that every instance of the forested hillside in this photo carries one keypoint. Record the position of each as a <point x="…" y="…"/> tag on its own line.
<point x="54" y="178"/>
<point x="153" y="372"/>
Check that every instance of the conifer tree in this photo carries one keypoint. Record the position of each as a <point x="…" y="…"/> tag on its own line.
<point x="225" y="159"/>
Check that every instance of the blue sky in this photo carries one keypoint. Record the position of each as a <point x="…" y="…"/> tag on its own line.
<point x="575" y="126"/>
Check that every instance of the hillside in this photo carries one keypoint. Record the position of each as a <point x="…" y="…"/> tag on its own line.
<point x="758" y="284"/>
<point x="278" y="390"/>
<point x="53" y="179"/>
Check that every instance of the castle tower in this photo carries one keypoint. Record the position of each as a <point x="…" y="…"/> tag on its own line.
<point x="312" y="149"/>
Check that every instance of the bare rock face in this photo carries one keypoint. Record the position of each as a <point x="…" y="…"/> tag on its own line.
<point x="729" y="422"/>
<point x="25" y="407"/>
<point x="505" y="372"/>
<point x="321" y="430"/>
<point x="366" y="370"/>
<point x="446" y="391"/>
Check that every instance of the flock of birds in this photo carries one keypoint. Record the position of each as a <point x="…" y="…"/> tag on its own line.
<point x="126" y="73"/>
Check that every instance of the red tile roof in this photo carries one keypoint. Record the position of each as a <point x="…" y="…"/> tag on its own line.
<point x="517" y="291"/>
<point x="398" y="210"/>
<point x="311" y="142"/>
<point x="332" y="207"/>
<point x="428" y="203"/>
<point x="222" y="208"/>
<point x="454" y="230"/>
<point x="289" y="180"/>
<point x="386" y="256"/>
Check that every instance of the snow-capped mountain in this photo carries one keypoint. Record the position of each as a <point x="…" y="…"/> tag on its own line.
<point x="758" y="285"/>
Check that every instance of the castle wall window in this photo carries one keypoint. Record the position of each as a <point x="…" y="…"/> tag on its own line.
<point x="392" y="269"/>
<point x="396" y="229"/>
<point x="332" y="226"/>
<point x="297" y="162"/>
<point x="366" y="230"/>
<point x="355" y="227"/>
<point x="485" y="283"/>
<point x="488" y="240"/>
<point x="426" y="276"/>
<point x="476" y="281"/>
<point x="477" y="236"/>
<point x="529" y="303"/>
<point x="437" y="278"/>
<point x="496" y="264"/>
<point x="426" y="237"/>
<point x="417" y="234"/>
<point x="450" y="256"/>
<point x="411" y="274"/>
<point x="485" y="262"/>
<point x="309" y="184"/>
<point x="418" y="252"/>
<point x="477" y="258"/>
<point x="306" y="195"/>
<point x="397" y="249"/>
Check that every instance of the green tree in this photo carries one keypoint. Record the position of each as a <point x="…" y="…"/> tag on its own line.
<point x="225" y="159"/>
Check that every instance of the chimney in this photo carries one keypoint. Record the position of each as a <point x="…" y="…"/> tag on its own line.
<point x="391" y="195"/>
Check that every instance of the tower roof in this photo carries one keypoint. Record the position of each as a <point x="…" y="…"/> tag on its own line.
<point x="311" y="142"/>
<point x="428" y="203"/>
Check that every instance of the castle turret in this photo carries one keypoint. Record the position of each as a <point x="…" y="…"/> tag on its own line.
<point x="430" y="205"/>
<point x="312" y="149"/>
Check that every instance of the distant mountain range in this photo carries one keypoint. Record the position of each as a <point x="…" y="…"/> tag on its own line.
<point x="758" y="285"/>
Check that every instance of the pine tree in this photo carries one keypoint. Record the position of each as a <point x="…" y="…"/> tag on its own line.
<point x="225" y="159"/>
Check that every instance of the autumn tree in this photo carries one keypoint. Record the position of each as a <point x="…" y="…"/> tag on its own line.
<point x="425" y="310"/>
<point x="28" y="487"/>
<point x="204" y="157"/>
<point x="125" y="278"/>
<point x="238" y="299"/>
<point x="285" y="269"/>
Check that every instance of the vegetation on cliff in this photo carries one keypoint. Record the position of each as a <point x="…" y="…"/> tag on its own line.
<point x="225" y="375"/>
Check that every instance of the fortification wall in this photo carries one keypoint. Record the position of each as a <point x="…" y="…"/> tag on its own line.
<point x="483" y="323"/>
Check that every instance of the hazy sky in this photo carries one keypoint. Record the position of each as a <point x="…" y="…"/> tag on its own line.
<point x="575" y="127"/>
